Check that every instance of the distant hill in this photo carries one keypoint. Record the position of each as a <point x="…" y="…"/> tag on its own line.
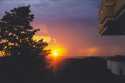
<point x="88" y="70"/>
<point x="73" y="70"/>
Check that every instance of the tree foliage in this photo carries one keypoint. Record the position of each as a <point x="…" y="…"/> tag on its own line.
<point x="16" y="31"/>
<point x="27" y="58"/>
<point x="16" y="34"/>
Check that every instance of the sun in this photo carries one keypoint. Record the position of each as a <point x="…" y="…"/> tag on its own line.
<point x="56" y="57"/>
<point x="57" y="53"/>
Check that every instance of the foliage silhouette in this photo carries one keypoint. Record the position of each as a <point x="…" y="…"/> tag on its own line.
<point x="16" y="32"/>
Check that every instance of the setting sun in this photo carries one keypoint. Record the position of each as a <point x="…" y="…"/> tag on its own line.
<point x="57" y="52"/>
<point x="56" y="56"/>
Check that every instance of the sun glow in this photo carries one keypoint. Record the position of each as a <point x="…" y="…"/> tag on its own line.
<point x="92" y="51"/>
<point x="56" y="56"/>
<point x="57" y="52"/>
<point x="45" y="38"/>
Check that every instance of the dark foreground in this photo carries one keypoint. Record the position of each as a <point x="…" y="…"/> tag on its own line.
<point x="88" y="70"/>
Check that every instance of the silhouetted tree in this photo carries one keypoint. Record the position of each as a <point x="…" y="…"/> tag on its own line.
<point x="16" y="35"/>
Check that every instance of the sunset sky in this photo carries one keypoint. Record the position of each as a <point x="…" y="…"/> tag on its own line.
<point x="72" y="23"/>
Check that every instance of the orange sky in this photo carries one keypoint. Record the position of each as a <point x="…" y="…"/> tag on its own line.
<point x="75" y="44"/>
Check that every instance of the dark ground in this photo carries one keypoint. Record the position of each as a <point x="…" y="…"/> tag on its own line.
<point x="88" y="70"/>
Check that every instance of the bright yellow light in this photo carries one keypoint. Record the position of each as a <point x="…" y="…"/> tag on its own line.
<point x="45" y="38"/>
<point x="57" y="52"/>
<point x="56" y="56"/>
<point x="36" y="38"/>
<point x="2" y="53"/>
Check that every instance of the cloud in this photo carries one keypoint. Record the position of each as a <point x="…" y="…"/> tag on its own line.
<point x="79" y="11"/>
<point x="66" y="9"/>
<point x="57" y="9"/>
<point x="13" y="2"/>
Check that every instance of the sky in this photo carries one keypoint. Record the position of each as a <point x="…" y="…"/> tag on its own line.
<point x="73" y="23"/>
